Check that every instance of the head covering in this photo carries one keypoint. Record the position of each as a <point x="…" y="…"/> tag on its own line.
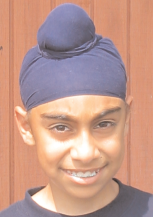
<point x="70" y="60"/>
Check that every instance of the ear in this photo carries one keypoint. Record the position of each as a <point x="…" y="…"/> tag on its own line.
<point x="129" y="101"/>
<point x="21" y="117"/>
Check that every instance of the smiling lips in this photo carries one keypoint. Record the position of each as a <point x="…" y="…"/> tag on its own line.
<point x="81" y="174"/>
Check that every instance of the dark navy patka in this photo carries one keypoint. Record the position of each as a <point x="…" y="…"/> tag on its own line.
<point x="70" y="60"/>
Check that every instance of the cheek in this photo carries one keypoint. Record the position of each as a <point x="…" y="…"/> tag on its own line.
<point x="50" y="151"/>
<point x="113" y="148"/>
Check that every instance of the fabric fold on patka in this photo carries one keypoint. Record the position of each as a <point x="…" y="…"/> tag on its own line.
<point x="70" y="59"/>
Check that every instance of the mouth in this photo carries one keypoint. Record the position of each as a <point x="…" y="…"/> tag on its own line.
<point x="82" y="174"/>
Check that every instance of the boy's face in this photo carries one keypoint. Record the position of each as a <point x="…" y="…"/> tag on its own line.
<point x="78" y="134"/>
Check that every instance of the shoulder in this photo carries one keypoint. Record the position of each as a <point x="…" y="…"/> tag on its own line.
<point x="143" y="202"/>
<point x="15" y="210"/>
<point x="23" y="208"/>
<point x="140" y="204"/>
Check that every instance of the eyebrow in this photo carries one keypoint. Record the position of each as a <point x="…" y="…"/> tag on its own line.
<point x="69" y="118"/>
<point x="108" y="111"/>
<point x="52" y="116"/>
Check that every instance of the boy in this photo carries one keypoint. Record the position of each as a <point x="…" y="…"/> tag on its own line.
<point x="73" y="86"/>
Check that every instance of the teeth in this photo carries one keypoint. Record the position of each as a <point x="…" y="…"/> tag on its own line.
<point x="94" y="173"/>
<point x="74" y="174"/>
<point x="80" y="174"/>
<point x="87" y="174"/>
<point x="83" y="175"/>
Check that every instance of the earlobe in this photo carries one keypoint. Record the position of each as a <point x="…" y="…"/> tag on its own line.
<point x="23" y="125"/>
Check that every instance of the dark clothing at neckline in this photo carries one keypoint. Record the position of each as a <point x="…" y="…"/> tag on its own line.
<point x="130" y="202"/>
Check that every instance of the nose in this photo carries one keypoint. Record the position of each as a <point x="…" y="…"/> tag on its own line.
<point x="84" y="149"/>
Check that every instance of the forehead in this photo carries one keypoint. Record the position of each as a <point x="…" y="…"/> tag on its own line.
<point x="77" y="105"/>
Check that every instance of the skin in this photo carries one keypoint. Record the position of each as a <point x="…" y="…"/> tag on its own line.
<point x="80" y="133"/>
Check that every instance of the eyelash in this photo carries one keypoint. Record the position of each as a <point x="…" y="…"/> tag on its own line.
<point x="111" y="124"/>
<point x="97" y="126"/>
<point x="55" y="128"/>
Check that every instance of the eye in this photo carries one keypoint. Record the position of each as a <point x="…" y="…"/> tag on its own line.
<point x="60" y="128"/>
<point x="105" y="124"/>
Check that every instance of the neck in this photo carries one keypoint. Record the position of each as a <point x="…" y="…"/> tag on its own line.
<point x="55" y="199"/>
